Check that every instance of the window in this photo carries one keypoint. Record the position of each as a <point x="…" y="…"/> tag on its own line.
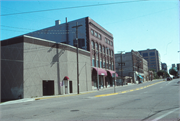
<point x="97" y="65"/>
<point x="152" y="58"/>
<point x="152" y="53"/>
<point x="105" y="40"/>
<point x="96" y="45"/>
<point x="112" y="66"/>
<point x="99" y="36"/>
<point x="108" y="41"/>
<point x="109" y="52"/>
<point x="104" y="64"/>
<point x="92" y="44"/>
<point x="111" y="43"/>
<point x="95" y="34"/>
<point x="100" y="49"/>
<point x="109" y="64"/>
<point x="92" y="32"/>
<point x="106" y="51"/>
<point x="100" y="64"/>
<point x="93" y="62"/>
<point x="112" y="53"/>
<point x="103" y="49"/>
<point x="145" y="54"/>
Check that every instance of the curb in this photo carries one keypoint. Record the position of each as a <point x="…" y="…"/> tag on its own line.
<point x="41" y="98"/>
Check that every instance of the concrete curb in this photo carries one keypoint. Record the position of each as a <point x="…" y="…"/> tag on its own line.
<point x="48" y="97"/>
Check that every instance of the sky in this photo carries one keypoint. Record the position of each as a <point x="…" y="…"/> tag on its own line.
<point x="135" y="24"/>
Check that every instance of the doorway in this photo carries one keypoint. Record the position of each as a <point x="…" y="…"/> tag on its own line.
<point x="48" y="87"/>
<point x="70" y="87"/>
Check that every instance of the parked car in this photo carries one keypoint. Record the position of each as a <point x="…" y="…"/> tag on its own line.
<point x="169" y="78"/>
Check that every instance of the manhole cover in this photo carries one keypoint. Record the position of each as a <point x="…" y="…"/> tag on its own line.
<point x="74" y="110"/>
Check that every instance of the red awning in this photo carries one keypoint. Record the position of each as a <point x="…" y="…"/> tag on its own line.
<point x="66" y="78"/>
<point x="101" y="71"/>
<point x="111" y="72"/>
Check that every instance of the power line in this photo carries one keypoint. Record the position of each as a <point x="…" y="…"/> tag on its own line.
<point x="73" y="7"/>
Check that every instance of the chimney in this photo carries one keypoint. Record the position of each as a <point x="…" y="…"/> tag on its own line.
<point x="57" y="22"/>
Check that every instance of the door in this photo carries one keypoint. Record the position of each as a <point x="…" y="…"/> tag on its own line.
<point x="48" y="87"/>
<point x="70" y="87"/>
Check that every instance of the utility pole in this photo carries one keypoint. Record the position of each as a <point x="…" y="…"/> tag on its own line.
<point x="77" y="55"/>
<point x="121" y="64"/>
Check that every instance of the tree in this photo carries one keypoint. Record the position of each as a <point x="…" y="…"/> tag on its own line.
<point x="162" y="73"/>
<point x="173" y="71"/>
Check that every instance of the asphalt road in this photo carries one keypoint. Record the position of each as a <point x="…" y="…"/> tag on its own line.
<point x="150" y="101"/>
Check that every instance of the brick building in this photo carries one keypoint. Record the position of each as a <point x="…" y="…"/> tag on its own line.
<point x="93" y="38"/>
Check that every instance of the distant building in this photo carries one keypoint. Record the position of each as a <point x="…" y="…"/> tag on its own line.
<point x="173" y="65"/>
<point x="153" y="57"/>
<point x="34" y="67"/>
<point x="133" y="66"/>
<point x="164" y="66"/>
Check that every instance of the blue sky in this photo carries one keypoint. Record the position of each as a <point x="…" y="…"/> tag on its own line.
<point x="136" y="25"/>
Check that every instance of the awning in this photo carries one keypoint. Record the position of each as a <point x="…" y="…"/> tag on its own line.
<point x="111" y="72"/>
<point x="101" y="71"/>
<point x="66" y="78"/>
<point x="140" y="76"/>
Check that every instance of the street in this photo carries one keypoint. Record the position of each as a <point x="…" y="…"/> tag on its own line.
<point x="150" y="101"/>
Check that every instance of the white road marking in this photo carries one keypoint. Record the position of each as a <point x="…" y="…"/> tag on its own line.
<point x="160" y="117"/>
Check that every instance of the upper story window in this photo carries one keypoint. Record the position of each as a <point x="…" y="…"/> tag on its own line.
<point x="105" y="40"/>
<point x="100" y="49"/>
<point x="95" y="34"/>
<point x="108" y="42"/>
<point x="99" y="36"/>
<point x="96" y="46"/>
<point x="107" y="51"/>
<point x="103" y="49"/>
<point x="111" y="43"/>
<point x="92" y="32"/>
<point x="92" y="44"/>
<point x="145" y="54"/>
<point x="152" y="53"/>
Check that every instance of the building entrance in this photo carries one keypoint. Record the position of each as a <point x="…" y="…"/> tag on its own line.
<point x="48" y="87"/>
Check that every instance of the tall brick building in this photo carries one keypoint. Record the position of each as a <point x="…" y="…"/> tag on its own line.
<point x="93" y="38"/>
